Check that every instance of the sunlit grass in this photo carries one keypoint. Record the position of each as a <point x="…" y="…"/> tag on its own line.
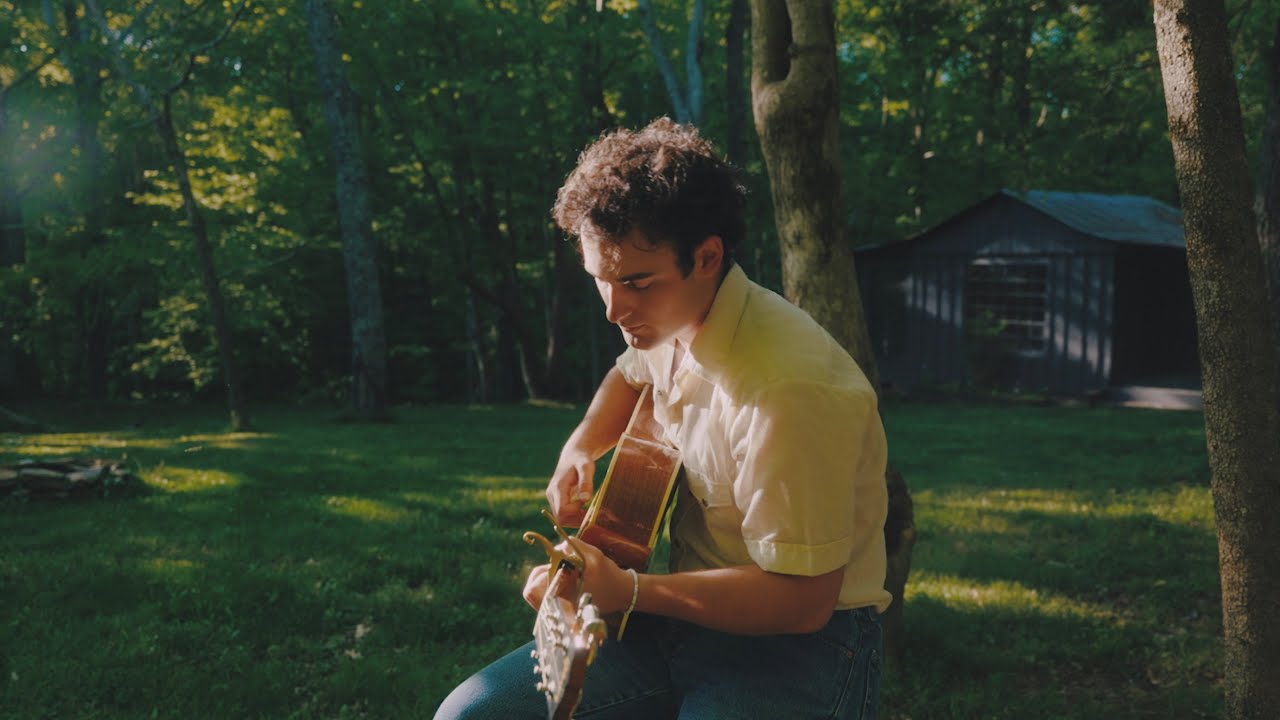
<point x="75" y="444"/>
<point x="369" y="509"/>
<point x="321" y="570"/>
<point x="184" y="479"/>
<point x="1007" y="596"/>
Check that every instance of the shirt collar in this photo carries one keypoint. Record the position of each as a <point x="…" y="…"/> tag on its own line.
<point x="712" y="345"/>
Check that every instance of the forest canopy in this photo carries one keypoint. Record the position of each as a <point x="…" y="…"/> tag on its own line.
<point x="471" y="112"/>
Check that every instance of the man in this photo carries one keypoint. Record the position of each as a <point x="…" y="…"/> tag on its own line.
<point x="777" y="547"/>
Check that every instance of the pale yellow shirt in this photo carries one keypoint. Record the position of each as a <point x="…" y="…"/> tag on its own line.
<point x="783" y="449"/>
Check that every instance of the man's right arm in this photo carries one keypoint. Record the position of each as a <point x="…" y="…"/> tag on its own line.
<point x="573" y="480"/>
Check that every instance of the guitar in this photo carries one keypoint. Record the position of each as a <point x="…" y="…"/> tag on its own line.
<point x="568" y="630"/>
<point x="623" y="520"/>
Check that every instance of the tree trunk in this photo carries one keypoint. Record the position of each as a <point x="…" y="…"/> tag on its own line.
<point x="1237" y="357"/>
<point x="161" y="116"/>
<point x="563" y="272"/>
<point x="735" y="88"/>
<point x="793" y="88"/>
<point x="208" y="274"/>
<point x="359" y="247"/>
<point x="1267" y="201"/>
<point x="81" y="59"/>
<point x="13" y="244"/>
<point x="86" y="68"/>
<point x="687" y="100"/>
<point x="693" y="62"/>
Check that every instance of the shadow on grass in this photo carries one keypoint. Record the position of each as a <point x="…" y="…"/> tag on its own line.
<point x="1136" y="563"/>
<point x="315" y="569"/>
<point x="1013" y="663"/>
<point x="290" y="573"/>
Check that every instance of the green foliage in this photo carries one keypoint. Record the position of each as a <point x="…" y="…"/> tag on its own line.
<point x="945" y="103"/>
<point x="472" y="112"/>
<point x="322" y="570"/>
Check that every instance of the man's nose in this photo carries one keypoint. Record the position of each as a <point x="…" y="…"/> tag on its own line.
<point x="615" y="305"/>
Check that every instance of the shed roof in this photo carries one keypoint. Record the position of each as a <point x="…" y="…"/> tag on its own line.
<point x="1135" y="219"/>
<point x="1118" y="218"/>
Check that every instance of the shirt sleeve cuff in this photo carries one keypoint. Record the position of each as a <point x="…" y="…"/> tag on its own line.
<point x="793" y="559"/>
<point x="633" y="369"/>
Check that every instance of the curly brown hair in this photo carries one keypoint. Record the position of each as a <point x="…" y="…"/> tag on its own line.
<point x="665" y="180"/>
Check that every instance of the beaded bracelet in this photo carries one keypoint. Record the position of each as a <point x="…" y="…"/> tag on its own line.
<point x="635" y="593"/>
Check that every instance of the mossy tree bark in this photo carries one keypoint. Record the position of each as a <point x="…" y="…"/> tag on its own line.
<point x="794" y="98"/>
<point x="1237" y="355"/>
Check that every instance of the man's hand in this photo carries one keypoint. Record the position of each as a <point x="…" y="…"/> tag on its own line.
<point x="536" y="586"/>
<point x="572" y="482"/>
<point x="610" y="586"/>
<point x="570" y="488"/>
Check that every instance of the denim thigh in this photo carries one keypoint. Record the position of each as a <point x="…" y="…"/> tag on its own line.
<point x="668" y="669"/>
<point x="628" y="680"/>
<point x="831" y="674"/>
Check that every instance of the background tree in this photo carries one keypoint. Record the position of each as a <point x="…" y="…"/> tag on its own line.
<point x="686" y="98"/>
<point x="359" y="247"/>
<point x="466" y="139"/>
<point x="794" y="96"/>
<point x="1237" y="355"/>
<point x="14" y="74"/>
<point x="735" y="82"/>
<point x="160" y="115"/>
<point x="1267" y="199"/>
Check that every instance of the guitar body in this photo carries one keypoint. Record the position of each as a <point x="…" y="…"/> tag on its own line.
<point x="626" y="515"/>
<point x="624" y="520"/>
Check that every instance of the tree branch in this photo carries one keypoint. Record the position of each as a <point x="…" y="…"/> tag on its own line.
<point x="118" y="60"/>
<point x="693" y="61"/>
<point x="203" y="49"/>
<point x="651" y="31"/>
<point x="27" y="74"/>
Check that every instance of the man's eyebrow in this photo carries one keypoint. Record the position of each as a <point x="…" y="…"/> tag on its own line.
<point x="643" y="275"/>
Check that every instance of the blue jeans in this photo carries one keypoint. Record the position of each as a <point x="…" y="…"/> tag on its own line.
<point x="670" y="669"/>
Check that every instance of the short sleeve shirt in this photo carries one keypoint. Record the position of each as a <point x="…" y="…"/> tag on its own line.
<point x="783" y="449"/>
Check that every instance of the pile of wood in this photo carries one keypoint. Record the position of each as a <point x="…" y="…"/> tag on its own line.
<point x="64" y="478"/>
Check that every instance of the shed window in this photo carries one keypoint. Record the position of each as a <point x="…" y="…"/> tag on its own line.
<point x="1007" y="300"/>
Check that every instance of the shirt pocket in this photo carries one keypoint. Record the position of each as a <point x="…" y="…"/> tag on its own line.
<point x="715" y="497"/>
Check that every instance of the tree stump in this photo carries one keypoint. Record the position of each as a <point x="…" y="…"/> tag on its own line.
<point x="899" y="538"/>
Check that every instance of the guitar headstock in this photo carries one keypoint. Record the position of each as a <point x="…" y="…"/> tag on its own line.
<point x="569" y="629"/>
<point x="567" y="640"/>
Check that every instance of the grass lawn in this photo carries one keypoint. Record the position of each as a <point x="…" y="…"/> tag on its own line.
<point x="1066" y="565"/>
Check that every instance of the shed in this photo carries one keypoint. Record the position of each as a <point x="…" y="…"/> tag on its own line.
<point x="1043" y="291"/>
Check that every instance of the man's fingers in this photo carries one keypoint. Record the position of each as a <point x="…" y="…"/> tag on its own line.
<point x="586" y="483"/>
<point x="536" y="586"/>
<point x="572" y="515"/>
<point x="569" y="493"/>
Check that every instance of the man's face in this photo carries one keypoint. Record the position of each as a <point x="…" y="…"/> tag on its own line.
<point x="644" y="291"/>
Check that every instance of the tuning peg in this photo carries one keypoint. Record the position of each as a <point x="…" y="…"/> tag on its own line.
<point x="533" y="654"/>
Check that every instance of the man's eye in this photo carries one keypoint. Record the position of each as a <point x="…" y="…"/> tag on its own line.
<point x="640" y="285"/>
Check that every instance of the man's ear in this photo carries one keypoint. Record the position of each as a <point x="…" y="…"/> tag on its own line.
<point x="708" y="258"/>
